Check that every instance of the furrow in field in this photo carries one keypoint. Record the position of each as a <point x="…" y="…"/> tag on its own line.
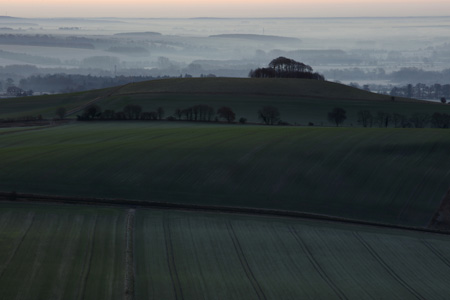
<point x="244" y="262"/>
<point x="436" y="252"/>
<point x="301" y="269"/>
<point x="71" y="240"/>
<point x="28" y="222"/>
<point x="171" y="259"/>
<point x="88" y="258"/>
<point x="386" y="266"/>
<point x="32" y="281"/>
<point x="316" y="265"/>
<point x="129" y="255"/>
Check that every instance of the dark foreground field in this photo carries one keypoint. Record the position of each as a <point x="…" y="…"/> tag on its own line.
<point x="83" y="252"/>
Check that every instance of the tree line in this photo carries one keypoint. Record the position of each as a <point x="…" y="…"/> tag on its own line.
<point x="269" y="115"/>
<point x="422" y="91"/>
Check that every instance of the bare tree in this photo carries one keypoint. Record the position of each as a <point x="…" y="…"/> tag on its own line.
<point x="132" y="111"/>
<point x="337" y="115"/>
<point x="92" y="111"/>
<point x="383" y="118"/>
<point x="365" y="118"/>
<point x="160" y="112"/>
<point x="226" y="113"/>
<point x="269" y="114"/>
<point x="420" y="120"/>
<point x="61" y="112"/>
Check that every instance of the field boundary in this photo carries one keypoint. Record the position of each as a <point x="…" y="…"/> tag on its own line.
<point x="14" y="197"/>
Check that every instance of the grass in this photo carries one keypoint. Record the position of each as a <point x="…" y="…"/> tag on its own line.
<point x="73" y="252"/>
<point x="386" y="175"/>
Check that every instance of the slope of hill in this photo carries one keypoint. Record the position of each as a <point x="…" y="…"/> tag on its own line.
<point x="396" y="176"/>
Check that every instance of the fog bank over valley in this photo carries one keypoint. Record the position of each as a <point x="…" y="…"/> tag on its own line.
<point x="49" y="55"/>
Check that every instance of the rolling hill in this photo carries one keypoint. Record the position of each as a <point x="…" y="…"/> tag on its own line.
<point x="342" y="211"/>
<point x="299" y="101"/>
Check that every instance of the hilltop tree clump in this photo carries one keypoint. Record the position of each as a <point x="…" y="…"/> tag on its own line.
<point x="283" y="67"/>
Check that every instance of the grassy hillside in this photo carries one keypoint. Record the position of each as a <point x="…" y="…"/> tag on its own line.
<point x="79" y="252"/>
<point x="45" y="105"/>
<point x="299" y="101"/>
<point x="386" y="175"/>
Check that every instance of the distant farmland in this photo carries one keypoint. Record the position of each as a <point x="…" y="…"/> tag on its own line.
<point x="79" y="252"/>
<point x="396" y="176"/>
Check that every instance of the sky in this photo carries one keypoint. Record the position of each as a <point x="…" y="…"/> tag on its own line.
<point x="223" y="8"/>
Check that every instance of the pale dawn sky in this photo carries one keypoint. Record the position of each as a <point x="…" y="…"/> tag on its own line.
<point x="222" y="8"/>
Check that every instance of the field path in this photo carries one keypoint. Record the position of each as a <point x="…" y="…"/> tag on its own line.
<point x="88" y="258"/>
<point x="129" y="255"/>
<point x="386" y="266"/>
<point x="178" y="290"/>
<point x="317" y="266"/>
<point x="93" y="101"/>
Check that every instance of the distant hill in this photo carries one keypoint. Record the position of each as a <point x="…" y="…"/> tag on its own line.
<point x="148" y="33"/>
<point x="258" y="37"/>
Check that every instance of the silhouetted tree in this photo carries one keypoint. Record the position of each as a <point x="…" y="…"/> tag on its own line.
<point x="132" y="111"/>
<point x="440" y="120"/>
<point x="383" y="119"/>
<point x="178" y="113"/>
<point x="92" y="111"/>
<point x="160" y="112"/>
<point x="337" y="115"/>
<point x="151" y="115"/>
<point x="399" y="120"/>
<point x="419" y="120"/>
<point x="108" y="114"/>
<point x="61" y="112"/>
<point x="365" y="118"/>
<point x="443" y="100"/>
<point x="226" y="113"/>
<point x="269" y="115"/>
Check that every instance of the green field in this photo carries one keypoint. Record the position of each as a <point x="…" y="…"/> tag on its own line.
<point x="384" y="175"/>
<point x="78" y="252"/>
<point x="299" y="101"/>
<point x="395" y="176"/>
<point x="51" y="252"/>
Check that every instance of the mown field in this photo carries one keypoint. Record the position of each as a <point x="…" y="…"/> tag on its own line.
<point x="299" y="101"/>
<point x="78" y="252"/>
<point x="396" y="176"/>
